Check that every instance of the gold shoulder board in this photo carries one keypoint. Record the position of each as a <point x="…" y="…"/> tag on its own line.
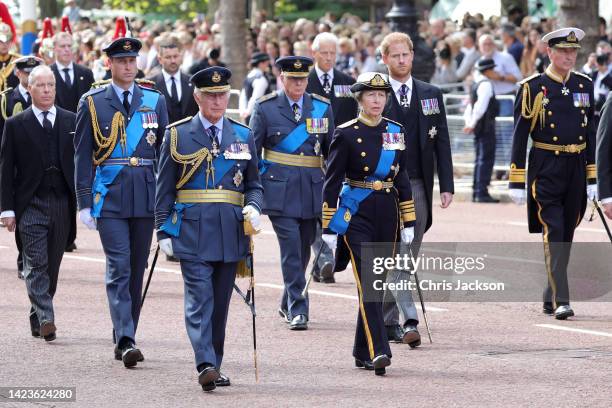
<point x="583" y="75"/>
<point x="178" y="122"/>
<point x="347" y="124"/>
<point x="321" y="98"/>
<point x="267" y="97"/>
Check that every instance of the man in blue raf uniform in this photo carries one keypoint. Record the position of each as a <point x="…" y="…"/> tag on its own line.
<point x="294" y="130"/>
<point x="118" y="132"/>
<point x="208" y="171"/>
<point x="556" y="109"/>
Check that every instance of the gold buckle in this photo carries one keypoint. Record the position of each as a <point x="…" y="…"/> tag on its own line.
<point x="377" y="185"/>
<point x="133" y="161"/>
<point x="572" y="148"/>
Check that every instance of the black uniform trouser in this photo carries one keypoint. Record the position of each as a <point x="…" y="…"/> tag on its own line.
<point x="44" y="227"/>
<point x="558" y="189"/>
<point x="485" y="158"/>
<point x="376" y="221"/>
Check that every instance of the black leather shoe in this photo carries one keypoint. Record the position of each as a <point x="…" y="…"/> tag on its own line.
<point x="485" y="199"/>
<point x="71" y="247"/>
<point x="299" y="322"/>
<point x="172" y="259"/>
<point x="365" y="364"/>
<point x="284" y="314"/>
<point x="563" y="312"/>
<point x="547" y="309"/>
<point x="380" y="362"/>
<point x="208" y="377"/>
<point x="35" y="333"/>
<point x="118" y="355"/>
<point x="222" y="381"/>
<point x="327" y="273"/>
<point x="47" y="330"/>
<point x="395" y="333"/>
<point x="411" y="336"/>
<point x="130" y="356"/>
<point x="20" y="275"/>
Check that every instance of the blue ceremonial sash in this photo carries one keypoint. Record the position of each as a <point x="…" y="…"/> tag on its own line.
<point x="105" y="175"/>
<point x="172" y="225"/>
<point x="297" y="136"/>
<point x="351" y="197"/>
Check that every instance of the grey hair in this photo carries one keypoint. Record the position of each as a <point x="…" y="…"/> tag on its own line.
<point x="323" y="37"/>
<point x="38" y="71"/>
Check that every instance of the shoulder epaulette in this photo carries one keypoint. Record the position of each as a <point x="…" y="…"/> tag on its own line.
<point x="238" y="123"/>
<point x="347" y="124"/>
<point x="178" y="122"/>
<point x="321" y="98"/>
<point x="583" y="75"/>
<point x="101" y="83"/>
<point x="267" y="97"/>
<point x="146" y="84"/>
<point x="529" y="78"/>
<point x="392" y="121"/>
<point x="93" y="91"/>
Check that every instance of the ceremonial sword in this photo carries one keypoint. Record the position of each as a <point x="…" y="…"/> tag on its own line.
<point x="144" y="295"/>
<point x="418" y="286"/>
<point x="603" y="218"/>
<point x="314" y="264"/>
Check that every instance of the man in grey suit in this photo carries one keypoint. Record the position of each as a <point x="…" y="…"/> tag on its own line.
<point x="118" y="132"/>
<point x="37" y="200"/>
<point x="604" y="157"/>
<point x="199" y="213"/>
<point x="293" y="129"/>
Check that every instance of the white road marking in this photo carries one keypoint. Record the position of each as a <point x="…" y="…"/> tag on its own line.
<point x="262" y="284"/>
<point x="572" y="329"/>
<point x="585" y="229"/>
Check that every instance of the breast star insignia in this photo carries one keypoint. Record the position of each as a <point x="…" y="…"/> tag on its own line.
<point x="432" y="132"/>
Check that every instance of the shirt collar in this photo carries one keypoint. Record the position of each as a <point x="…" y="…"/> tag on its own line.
<point x="207" y="124"/>
<point x="299" y="102"/>
<point x="167" y="75"/>
<point x="60" y="67"/>
<point x="38" y="112"/>
<point x="23" y="91"/>
<point x="396" y="85"/>
<point x="556" y="77"/>
<point x="119" y="91"/>
<point x="320" y="73"/>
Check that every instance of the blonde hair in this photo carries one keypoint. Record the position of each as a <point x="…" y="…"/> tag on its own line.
<point x="393" y="38"/>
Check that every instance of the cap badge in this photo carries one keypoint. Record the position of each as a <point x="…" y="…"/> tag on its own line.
<point x="127" y="45"/>
<point x="377" y="80"/>
<point x="572" y="37"/>
<point x="297" y="64"/>
<point x="216" y="77"/>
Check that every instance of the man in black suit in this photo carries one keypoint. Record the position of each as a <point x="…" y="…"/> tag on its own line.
<point x="327" y="81"/>
<point x="604" y="157"/>
<point x="72" y="80"/>
<point x="37" y="199"/>
<point x="172" y="83"/>
<point x="419" y="107"/>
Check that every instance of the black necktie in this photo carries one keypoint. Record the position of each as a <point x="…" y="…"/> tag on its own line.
<point x="326" y="86"/>
<point x="296" y="112"/>
<point x="47" y="123"/>
<point x="126" y="101"/>
<point x="27" y="98"/>
<point x="404" y="96"/>
<point x="174" y="91"/>
<point x="67" y="76"/>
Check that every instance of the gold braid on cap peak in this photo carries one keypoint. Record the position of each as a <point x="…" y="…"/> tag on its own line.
<point x="106" y="145"/>
<point x="194" y="160"/>
<point x="536" y="110"/>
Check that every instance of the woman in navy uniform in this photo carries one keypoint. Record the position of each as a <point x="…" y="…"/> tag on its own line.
<point x="368" y="155"/>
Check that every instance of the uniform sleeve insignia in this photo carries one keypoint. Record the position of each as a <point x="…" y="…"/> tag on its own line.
<point x="267" y="97"/>
<point x="321" y="98"/>
<point x="534" y="76"/>
<point x="347" y="124"/>
<point x="583" y="75"/>
<point x="178" y="122"/>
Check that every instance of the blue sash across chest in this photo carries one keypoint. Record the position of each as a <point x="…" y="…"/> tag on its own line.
<point x="105" y="175"/>
<point x="351" y="197"/>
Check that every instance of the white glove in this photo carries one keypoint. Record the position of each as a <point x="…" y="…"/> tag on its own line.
<point x="592" y="192"/>
<point x="87" y="219"/>
<point x="407" y="235"/>
<point x="166" y="246"/>
<point x="252" y="215"/>
<point x="331" y="240"/>
<point x="518" y="195"/>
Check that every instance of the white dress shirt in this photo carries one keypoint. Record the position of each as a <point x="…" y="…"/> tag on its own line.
<point x="505" y="64"/>
<point x="61" y="68"/>
<point x="320" y="74"/>
<point x="177" y="80"/>
<point x="396" y="85"/>
<point x="484" y="91"/>
<point x="260" y="84"/>
<point x="24" y="92"/>
<point x="207" y="124"/>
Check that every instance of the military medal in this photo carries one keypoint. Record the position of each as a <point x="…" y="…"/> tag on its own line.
<point x="565" y="90"/>
<point x="393" y="141"/>
<point x="215" y="148"/>
<point x="317" y="125"/>
<point x="581" y="100"/>
<point x="237" y="178"/>
<point x="432" y="132"/>
<point x="149" y="121"/>
<point x="237" y="151"/>
<point x="317" y="147"/>
<point x="430" y="106"/>
<point x="341" y="91"/>
<point x="327" y="88"/>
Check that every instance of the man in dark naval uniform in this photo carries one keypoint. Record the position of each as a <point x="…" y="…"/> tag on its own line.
<point x="118" y="132"/>
<point x="293" y="129"/>
<point x="208" y="172"/>
<point x="555" y="108"/>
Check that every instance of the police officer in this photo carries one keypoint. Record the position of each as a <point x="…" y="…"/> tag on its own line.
<point x="479" y="119"/>
<point x="555" y="108"/>
<point x="208" y="172"/>
<point x="118" y="132"/>
<point x="294" y="129"/>
<point x="255" y="84"/>
<point x="376" y="199"/>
